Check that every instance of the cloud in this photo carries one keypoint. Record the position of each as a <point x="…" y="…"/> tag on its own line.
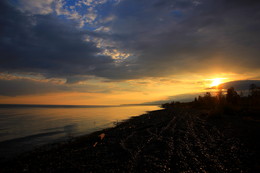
<point x="47" y="45"/>
<point x="171" y="37"/>
<point x="37" y="6"/>
<point x="151" y="38"/>
<point x="28" y="87"/>
<point x="24" y="86"/>
<point x="180" y="97"/>
<point x="241" y="84"/>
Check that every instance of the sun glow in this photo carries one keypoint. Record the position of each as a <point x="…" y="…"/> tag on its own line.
<point x="216" y="82"/>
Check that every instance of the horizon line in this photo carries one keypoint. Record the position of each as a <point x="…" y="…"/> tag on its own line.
<point x="71" y="106"/>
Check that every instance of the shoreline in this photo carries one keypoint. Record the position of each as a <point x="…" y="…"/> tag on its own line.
<point x="135" y="142"/>
<point x="33" y="127"/>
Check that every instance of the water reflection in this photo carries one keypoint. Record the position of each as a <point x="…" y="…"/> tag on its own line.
<point x="24" y="128"/>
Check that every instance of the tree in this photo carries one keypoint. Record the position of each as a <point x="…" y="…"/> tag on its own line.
<point x="254" y="90"/>
<point x="220" y="97"/>
<point x="232" y="96"/>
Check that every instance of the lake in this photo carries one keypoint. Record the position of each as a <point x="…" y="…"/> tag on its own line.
<point x="23" y="128"/>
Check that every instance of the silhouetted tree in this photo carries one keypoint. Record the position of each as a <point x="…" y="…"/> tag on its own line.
<point x="254" y="99"/>
<point x="252" y="89"/>
<point x="232" y="96"/>
<point x="220" y="97"/>
<point x="231" y="103"/>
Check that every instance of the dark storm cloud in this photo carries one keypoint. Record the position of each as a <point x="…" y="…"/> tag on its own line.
<point x="170" y="37"/>
<point x="164" y="37"/>
<point x="45" y="44"/>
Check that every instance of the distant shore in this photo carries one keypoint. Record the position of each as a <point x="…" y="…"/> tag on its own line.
<point x="169" y="140"/>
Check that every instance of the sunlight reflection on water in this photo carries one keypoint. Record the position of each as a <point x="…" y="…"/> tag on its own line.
<point x="25" y="128"/>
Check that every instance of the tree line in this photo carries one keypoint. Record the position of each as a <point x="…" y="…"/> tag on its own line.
<point x="228" y="100"/>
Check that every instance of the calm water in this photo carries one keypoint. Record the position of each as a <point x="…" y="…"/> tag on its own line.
<point x="23" y="128"/>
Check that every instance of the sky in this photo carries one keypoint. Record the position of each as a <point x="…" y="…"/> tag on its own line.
<point x="109" y="52"/>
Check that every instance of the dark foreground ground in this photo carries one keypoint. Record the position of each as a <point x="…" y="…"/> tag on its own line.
<point x="161" y="141"/>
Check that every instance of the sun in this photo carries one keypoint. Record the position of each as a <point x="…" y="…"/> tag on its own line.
<point x="216" y="82"/>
